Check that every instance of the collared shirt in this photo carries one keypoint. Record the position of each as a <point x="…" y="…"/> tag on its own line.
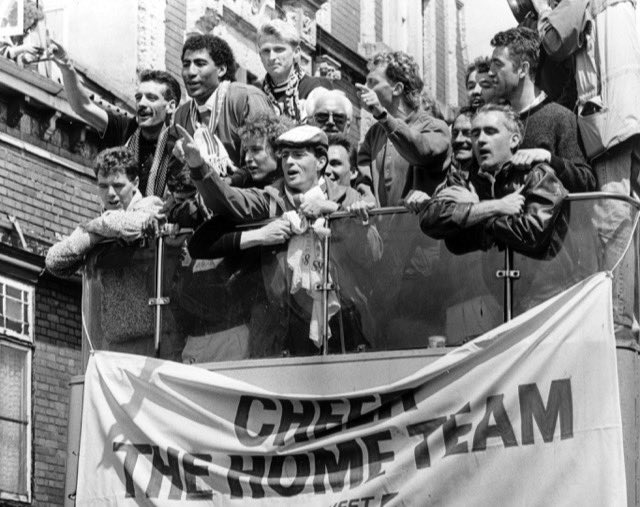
<point x="538" y="100"/>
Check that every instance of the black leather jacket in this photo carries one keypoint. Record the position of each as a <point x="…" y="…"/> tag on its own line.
<point x="529" y="233"/>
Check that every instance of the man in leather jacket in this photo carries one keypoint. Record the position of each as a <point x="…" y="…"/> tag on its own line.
<point x="499" y="203"/>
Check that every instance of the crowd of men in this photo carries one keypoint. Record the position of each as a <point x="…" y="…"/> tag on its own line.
<point x="235" y="153"/>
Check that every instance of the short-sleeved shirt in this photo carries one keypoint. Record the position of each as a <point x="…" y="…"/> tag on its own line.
<point x="119" y="129"/>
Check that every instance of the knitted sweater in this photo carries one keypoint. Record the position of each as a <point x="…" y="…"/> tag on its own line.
<point x="553" y="127"/>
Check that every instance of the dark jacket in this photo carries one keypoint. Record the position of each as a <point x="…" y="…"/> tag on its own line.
<point x="528" y="233"/>
<point x="279" y="319"/>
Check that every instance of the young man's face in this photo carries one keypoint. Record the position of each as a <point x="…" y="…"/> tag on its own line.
<point x="504" y="73"/>
<point x="339" y="167"/>
<point x="474" y="91"/>
<point x="378" y="81"/>
<point x="277" y="57"/>
<point x="116" y="190"/>
<point x="152" y="107"/>
<point x="259" y="159"/>
<point x="493" y="143"/>
<point x="461" y="138"/>
<point x="301" y="168"/>
<point x="330" y="115"/>
<point x="200" y="74"/>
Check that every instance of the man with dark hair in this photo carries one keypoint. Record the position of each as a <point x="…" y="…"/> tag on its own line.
<point x="461" y="144"/>
<point x="550" y="130"/>
<point x="341" y="168"/>
<point x="498" y="203"/>
<point x="475" y="77"/>
<point x="406" y="152"/>
<point x="157" y="96"/>
<point x="219" y="106"/>
<point x="286" y="84"/>
<point x="127" y="215"/>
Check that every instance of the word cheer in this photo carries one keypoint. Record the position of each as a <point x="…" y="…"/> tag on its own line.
<point x="348" y="442"/>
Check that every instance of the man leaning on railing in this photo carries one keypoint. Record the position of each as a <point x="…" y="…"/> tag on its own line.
<point x="498" y="204"/>
<point x="127" y="215"/>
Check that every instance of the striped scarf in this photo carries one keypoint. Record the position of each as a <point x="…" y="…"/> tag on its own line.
<point x="291" y="106"/>
<point x="211" y="148"/>
<point x="158" y="173"/>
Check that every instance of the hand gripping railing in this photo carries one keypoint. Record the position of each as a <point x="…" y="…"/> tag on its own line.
<point x="508" y="272"/>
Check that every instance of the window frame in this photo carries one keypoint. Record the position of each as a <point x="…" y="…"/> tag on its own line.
<point x="22" y="342"/>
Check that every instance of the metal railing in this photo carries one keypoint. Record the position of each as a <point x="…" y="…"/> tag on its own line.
<point x="582" y="254"/>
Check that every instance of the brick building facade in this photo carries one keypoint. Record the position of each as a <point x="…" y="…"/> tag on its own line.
<point x="47" y="185"/>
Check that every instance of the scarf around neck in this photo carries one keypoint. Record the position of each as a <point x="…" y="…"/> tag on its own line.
<point x="290" y="105"/>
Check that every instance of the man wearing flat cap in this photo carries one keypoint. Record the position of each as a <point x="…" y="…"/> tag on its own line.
<point x="303" y="151"/>
<point x="295" y="202"/>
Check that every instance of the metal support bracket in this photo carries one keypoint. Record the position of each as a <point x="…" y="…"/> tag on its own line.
<point x="511" y="273"/>
<point x="159" y="301"/>
<point x="49" y="125"/>
<point x="325" y="286"/>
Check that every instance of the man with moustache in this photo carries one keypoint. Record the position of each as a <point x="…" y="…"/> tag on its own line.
<point x="157" y="96"/>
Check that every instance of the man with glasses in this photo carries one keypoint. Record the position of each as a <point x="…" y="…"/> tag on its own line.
<point x="329" y="110"/>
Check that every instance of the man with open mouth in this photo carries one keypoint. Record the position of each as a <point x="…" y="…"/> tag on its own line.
<point x="498" y="203"/>
<point x="146" y="134"/>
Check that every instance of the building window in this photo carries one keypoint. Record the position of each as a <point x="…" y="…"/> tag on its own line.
<point x="16" y="343"/>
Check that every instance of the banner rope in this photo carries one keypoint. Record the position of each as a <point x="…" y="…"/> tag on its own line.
<point x="86" y="332"/>
<point x="626" y="249"/>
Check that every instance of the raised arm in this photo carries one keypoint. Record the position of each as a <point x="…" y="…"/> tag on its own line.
<point x="220" y="197"/>
<point x="77" y="95"/>
<point x="561" y="28"/>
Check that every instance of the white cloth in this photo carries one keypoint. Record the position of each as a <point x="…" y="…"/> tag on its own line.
<point x="305" y="260"/>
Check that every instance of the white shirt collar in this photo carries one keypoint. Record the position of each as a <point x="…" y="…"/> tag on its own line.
<point x="537" y="101"/>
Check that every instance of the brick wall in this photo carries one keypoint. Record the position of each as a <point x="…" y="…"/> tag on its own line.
<point x="57" y="358"/>
<point x="47" y="199"/>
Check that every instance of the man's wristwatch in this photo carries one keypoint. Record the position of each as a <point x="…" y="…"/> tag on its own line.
<point x="381" y="116"/>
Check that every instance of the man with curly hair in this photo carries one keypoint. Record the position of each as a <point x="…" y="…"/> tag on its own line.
<point x="477" y="82"/>
<point x="550" y="130"/>
<point x="285" y="83"/>
<point x="219" y="106"/>
<point x="406" y="152"/>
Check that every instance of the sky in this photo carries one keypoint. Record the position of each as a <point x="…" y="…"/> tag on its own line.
<point x="483" y="19"/>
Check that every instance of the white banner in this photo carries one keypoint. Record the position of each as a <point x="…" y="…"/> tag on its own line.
<point x="527" y="414"/>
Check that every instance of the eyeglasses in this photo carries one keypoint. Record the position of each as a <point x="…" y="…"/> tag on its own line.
<point x="296" y="154"/>
<point x="339" y="119"/>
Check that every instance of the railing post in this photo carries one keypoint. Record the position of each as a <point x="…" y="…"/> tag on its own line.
<point x="325" y="295"/>
<point x="508" y="285"/>
<point x="158" y="300"/>
<point x="509" y="274"/>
